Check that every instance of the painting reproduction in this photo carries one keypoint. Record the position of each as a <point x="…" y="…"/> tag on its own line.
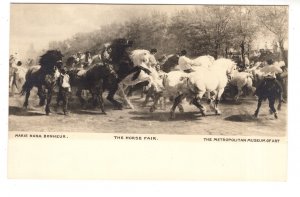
<point x="169" y="79"/>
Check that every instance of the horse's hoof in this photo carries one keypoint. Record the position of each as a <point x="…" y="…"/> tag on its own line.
<point x="104" y="113"/>
<point x="152" y="109"/>
<point x="66" y="113"/>
<point x="279" y="107"/>
<point x="203" y="113"/>
<point x="218" y="112"/>
<point x="275" y="115"/>
<point x="255" y="114"/>
<point x="181" y="110"/>
<point x="118" y="107"/>
<point x="270" y="111"/>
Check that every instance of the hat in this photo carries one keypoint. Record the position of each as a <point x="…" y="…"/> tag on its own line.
<point x="183" y="52"/>
<point x="153" y="51"/>
<point x="19" y="63"/>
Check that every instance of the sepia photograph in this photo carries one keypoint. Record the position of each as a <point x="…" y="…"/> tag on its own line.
<point x="148" y="91"/>
<point x="149" y="69"/>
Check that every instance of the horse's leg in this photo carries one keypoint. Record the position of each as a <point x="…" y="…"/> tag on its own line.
<point x="78" y="94"/>
<point x="98" y="94"/>
<point x="148" y="95"/>
<point x="258" y="107"/>
<point x="155" y="101"/>
<point x="110" y="96"/>
<point x="177" y="100"/>
<point x="197" y="102"/>
<point x="271" y="106"/>
<point x="280" y="100"/>
<point x="218" y="97"/>
<point x="240" y="91"/>
<point x="101" y="102"/>
<point x="180" y="108"/>
<point x="49" y="97"/>
<point x="123" y="95"/>
<point x="25" y="105"/>
<point x="41" y="94"/>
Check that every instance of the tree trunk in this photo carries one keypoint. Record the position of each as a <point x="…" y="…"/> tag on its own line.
<point x="243" y="52"/>
<point x="226" y="52"/>
<point x="216" y="50"/>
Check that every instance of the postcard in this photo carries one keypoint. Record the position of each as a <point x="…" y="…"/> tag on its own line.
<point x="148" y="92"/>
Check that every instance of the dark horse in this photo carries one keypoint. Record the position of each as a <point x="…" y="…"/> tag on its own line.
<point x="96" y="79"/>
<point x="170" y="63"/>
<point x="43" y="76"/>
<point x="269" y="89"/>
<point x="103" y="76"/>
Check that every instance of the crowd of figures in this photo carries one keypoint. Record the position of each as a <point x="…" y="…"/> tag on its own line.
<point x="120" y="69"/>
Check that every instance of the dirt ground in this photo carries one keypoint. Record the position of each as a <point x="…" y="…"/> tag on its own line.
<point x="236" y="119"/>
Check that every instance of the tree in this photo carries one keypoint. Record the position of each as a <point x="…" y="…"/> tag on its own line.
<point x="275" y="20"/>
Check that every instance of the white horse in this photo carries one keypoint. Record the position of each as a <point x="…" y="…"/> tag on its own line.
<point x="18" y="78"/>
<point x="174" y="85"/>
<point x="212" y="79"/>
<point x="203" y="61"/>
<point x="240" y="80"/>
<point x="140" y="58"/>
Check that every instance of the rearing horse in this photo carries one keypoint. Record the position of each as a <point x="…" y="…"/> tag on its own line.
<point x="43" y="76"/>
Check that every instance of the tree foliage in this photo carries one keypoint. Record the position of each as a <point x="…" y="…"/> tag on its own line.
<point x="204" y="30"/>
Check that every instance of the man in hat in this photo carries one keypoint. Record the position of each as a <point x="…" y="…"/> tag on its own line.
<point x="184" y="63"/>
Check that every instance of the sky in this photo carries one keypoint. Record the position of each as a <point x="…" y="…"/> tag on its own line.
<point x="38" y="24"/>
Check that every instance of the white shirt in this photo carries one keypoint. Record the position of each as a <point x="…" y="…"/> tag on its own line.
<point x="65" y="81"/>
<point x="152" y="61"/>
<point x="271" y="70"/>
<point x="184" y="63"/>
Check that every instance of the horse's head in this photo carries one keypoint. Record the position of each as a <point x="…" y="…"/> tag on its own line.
<point x="51" y="59"/>
<point x="140" y="56"/>
<point x="231" y="69"/>
<point x="119" y="49"/>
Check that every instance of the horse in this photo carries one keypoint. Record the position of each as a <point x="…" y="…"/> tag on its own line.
<point x="172" y="80"/>
<point x="241" y="80"/>
<point x="18" y="77"/>
<point x="170" y="63"/>
<point x="269" y="90"/>
<point x="145" y="73"/>
<point x="213" y="79"/>
<point x="43" y="76"/>
<point x="203" y="61"/>
<point x="96" y="79"/>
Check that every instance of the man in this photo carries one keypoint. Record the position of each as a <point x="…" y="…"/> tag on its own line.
<point x="152" y="59"/>
<point x="184" y="63"/>
<point x="270" y="71"/>
<point x="64" y="90"/>
<point x="106" y="54"/>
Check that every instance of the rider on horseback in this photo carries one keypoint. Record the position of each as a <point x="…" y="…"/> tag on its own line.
<point x="185" y="63"/>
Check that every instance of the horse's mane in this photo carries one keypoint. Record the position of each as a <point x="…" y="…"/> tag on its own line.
<point x="49" y="59"/>
<point x="70" y="61"/>
<point x="222" y="62"/>
<point x="171" y="62"/>
<point x="119" y="47"/>
<point x="135" y="56"/>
